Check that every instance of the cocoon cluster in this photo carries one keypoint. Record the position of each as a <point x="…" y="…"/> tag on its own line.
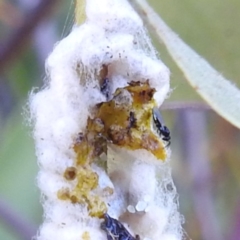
<point x="101" y="158"/>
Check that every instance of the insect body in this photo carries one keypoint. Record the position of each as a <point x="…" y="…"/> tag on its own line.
<point x="162" y="129"/>
<point x="115" y="230"/>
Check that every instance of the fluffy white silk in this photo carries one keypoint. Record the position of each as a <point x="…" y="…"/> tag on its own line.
<point x="144" y="196"/>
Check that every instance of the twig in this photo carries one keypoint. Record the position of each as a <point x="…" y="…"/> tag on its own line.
<point x="194" y="140"/>
<point x="13" y="46"/>
<point x="236" y="224"/>
<point x="177" y="105"/>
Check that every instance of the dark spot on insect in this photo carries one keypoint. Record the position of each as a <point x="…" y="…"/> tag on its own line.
<point x="105" y="88"/>
<point x="163" y="131"/>
<point x="115" y="229"/>
<point x="80" y="137"/>
<point x="150" y="93"/>
<point x="147" y="95"/>
<point x="132" y="120"/>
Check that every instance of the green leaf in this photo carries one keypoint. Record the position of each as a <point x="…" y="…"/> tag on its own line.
<point x="220" y="93"/>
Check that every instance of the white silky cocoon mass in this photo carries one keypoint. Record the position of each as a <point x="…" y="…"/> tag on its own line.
<point x="113" y="35"/>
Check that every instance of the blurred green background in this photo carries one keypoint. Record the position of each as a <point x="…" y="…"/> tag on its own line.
<point x="205" y="148"/>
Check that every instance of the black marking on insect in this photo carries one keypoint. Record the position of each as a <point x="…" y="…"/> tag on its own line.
<point x="115" y="230"/>
<point x="162" y="130"/>
<point x="105" y="88"/>
<point x="132" y="120"/>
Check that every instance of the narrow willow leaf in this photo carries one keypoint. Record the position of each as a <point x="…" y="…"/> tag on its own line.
<point x="80" y="14"/>
<point x="220" y="93"/>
